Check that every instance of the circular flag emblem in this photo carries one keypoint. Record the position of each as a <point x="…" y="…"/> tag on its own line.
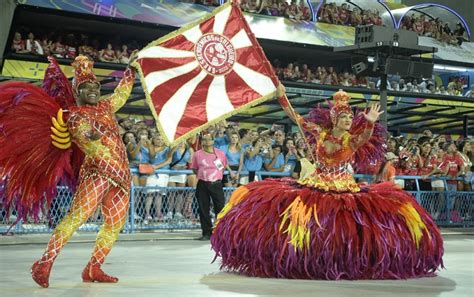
<point x="215" y="54"/>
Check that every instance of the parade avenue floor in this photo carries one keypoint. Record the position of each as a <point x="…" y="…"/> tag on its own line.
<point x="153" y="266"/>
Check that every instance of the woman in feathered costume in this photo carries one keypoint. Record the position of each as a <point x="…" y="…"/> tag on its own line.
<point x="326" y="226"/>
<point x="39" y="150"/>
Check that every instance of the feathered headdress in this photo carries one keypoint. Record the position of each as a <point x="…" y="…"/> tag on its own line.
<point x="341" y="105"/>
<point x="83" y="71"/>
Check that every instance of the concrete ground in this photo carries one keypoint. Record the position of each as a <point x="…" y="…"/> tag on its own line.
<point x="171" y="264"/>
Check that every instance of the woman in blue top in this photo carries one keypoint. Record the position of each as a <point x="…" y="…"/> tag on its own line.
<point x="291" y="156"/>
<point x="182" y="156"/>
<point x="235" y="158"/>
<point x="276" y="162"/>
<point x="253" y="159"/>
<point x="130" y="141"/>
<point x="140" y="154"/>
<point x="160" y="158"/>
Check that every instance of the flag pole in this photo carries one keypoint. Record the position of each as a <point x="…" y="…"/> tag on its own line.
<point x="290" y="111"/>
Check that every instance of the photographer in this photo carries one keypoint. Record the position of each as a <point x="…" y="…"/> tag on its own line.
<point x="235" y="157"/>
<point x="467" y="156"/>
<point x="456" y="169"/>
<point x="427" y="164"/>
<point x="130" y="140"/>
<point x="438" y="168"/>
<point x="160" y="158"/>
<point x="138" y="153"/>
<point x="276" y="161"/>
<point x="455" y="165"/>
<point x="291" y="155"/>
<point x="411" y="162"/>
<point x="253" y="159"/>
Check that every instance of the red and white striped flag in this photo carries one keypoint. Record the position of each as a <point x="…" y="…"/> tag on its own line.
<point x="204" y="72"/>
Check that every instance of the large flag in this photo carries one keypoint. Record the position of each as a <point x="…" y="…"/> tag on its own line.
<point x="204" y="72"/>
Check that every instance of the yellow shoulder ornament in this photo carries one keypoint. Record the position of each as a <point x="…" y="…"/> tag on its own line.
<point x="61" y="138"/>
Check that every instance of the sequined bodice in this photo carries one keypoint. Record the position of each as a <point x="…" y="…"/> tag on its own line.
<point x="332" y="171"/>
<point x="107" y="155"/>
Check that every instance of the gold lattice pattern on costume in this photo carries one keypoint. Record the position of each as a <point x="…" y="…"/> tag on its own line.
<point x="92" y="192"/>
<point x="106" y="156"/>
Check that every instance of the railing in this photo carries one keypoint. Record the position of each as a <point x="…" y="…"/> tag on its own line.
<point x="175" y="208"/>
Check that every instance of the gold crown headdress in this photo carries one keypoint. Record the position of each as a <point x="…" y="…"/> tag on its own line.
<point x="341" y="105"/>
<point x="83" y="71"/>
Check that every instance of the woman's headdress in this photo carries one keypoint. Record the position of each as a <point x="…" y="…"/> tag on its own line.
<point x="341" y="105"/>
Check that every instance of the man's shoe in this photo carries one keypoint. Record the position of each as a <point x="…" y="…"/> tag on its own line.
<point x="204" y="238"/>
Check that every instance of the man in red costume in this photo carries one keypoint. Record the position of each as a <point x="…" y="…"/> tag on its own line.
<point x="104" y="179"/>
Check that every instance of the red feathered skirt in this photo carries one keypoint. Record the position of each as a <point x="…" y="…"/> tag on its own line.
<point x="278" y="228"/>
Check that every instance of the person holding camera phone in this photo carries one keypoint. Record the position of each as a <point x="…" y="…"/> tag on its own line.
<point x="275" y="161"/>
<point x="160" y="158"/>
<point x="426" y="162"/>
<point x="467" y="156"/>
<point x="290" y="153"/>
<point x="411" y="162"/>
<point x="253" y="159"/>
<point x="235" y="157"/>
<point x="139" y="153"/>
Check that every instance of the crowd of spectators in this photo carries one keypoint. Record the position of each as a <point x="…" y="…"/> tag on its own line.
<point x="330" y="75"/>
<point x="294" y="9"/>
<point x="454" y="87"/>
<point x="302" y="72"/>
<point x="119" y="52"/>
<point x="278" y="151"/>
<point x="435" y="28"/>
<point x="68" y="46"/>
<point x="428" y="156"/>
<point x="272" y="150"/>
<point x="203" y="2"/>
<point x="348" y="15"/>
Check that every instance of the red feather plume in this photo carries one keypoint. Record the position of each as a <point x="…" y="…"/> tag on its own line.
<point x="57" y="85"/>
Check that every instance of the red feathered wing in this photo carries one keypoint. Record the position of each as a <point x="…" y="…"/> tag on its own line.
<point x="30" y="164"/>
<point x="57" y="85"/>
